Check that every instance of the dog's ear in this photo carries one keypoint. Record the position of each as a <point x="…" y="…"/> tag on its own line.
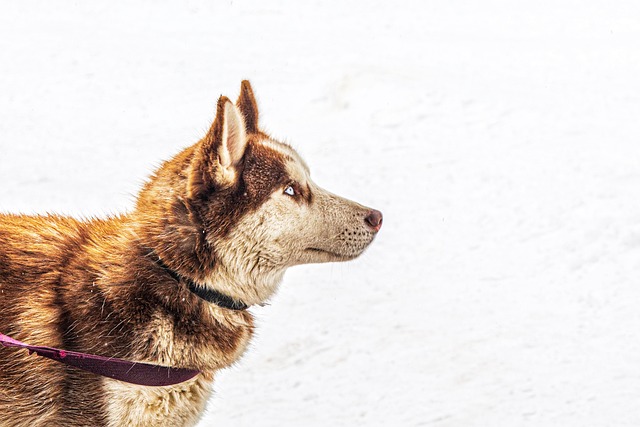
<point x="218" y="157"/>
<point x="248" y="106"/>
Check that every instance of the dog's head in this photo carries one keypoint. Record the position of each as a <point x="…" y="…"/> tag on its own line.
<point x="255" y="208"/>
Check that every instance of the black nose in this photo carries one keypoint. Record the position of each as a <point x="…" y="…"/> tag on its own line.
<point x="374" y="219"/>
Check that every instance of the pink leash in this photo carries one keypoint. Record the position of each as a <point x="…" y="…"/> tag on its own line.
<point x="118" y="369"/>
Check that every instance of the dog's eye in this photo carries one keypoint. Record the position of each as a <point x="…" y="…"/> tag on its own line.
<point x="289" y="190"/>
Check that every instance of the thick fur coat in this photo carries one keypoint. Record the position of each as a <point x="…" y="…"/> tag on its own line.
<point x="230" y="213"/>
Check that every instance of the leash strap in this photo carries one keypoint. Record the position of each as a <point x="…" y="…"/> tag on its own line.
<point x="123" y="370"/>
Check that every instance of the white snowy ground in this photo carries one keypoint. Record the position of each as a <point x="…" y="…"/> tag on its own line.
<point x="500" y="139"/>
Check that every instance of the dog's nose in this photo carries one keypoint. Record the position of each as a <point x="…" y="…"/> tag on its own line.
<point x="374" y="219"/>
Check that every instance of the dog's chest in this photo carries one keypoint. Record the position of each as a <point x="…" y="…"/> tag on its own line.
<point x="180" y="405"/>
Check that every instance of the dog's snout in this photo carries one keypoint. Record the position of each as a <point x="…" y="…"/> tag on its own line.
<point x="374" y="219"/>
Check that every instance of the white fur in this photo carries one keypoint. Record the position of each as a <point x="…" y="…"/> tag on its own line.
<point x="141" y="406"/>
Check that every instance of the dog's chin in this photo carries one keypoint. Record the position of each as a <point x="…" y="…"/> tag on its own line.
<point x="317" y="255"/>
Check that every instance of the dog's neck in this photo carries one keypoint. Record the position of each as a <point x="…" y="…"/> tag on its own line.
<point x="171" y="227"/>
<point x="206" y="293"/>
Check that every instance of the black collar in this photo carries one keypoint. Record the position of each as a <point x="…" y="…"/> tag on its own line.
<point x="207" y="294"/>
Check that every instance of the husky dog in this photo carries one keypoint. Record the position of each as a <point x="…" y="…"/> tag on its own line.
<point x="222" y="219"/>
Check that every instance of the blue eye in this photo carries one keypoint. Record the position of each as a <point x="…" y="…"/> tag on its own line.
<point x="290" y="191"/>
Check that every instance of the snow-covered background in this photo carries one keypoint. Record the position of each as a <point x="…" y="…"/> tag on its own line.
<point x="501" y="140"/>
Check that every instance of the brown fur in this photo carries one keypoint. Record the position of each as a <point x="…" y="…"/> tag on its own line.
<point x="96" y="286"/>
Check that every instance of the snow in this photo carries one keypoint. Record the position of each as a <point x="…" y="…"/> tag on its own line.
<point x="500" y="140"/>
